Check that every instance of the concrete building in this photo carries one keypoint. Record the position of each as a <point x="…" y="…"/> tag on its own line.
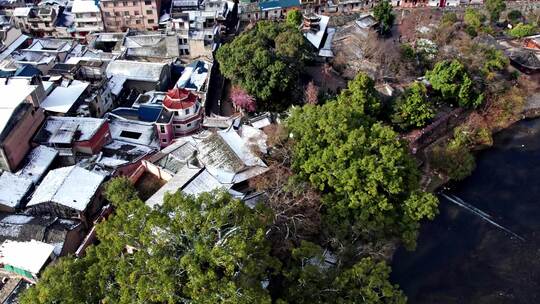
<point x="20" y="118"/>
<point x="87" y="17"/>
<point x="37" y="20"/>
<point x="198" y="25"/>
<point x="118" y="16"/>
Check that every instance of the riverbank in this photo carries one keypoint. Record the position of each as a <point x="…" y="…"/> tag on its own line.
<point x="461" y="258"/>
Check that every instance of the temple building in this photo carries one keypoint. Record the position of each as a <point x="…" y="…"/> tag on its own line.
<point x="181" y="115"/>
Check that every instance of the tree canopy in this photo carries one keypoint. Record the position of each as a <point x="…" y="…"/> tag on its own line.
<point x="522" y="30"/>
<point x="495" y="8"/>
<point x="209" y="249"/>
<point x="451" y="80"/>
<point x="266" y="61"/>
<point x="294" y="18"/>
<point x="413" y="109"/>
<point x="370" y="180"/>
<point x="384" y="15"/>
<point x="313" y="280"/>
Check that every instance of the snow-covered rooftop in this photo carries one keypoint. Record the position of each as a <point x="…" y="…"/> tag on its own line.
<point x="30" y="256"/>
<point x="84" y="6"/>
<point x="204" y="182"/>
<point x="254" y="137"/>
<point x="225" y="155"/>
<point x="39" y="160"/>
<point x="73" y="187"/>
<point x="136" y="70"/>
<point x="21" y="11"/>
<point x="68" y="129"/>
<point x="133" y="131"/>
<point x="176" y="183"/>
<point x="13" y="189"/>
<point x="316" y="38"/>
<point x="12" y="96"/>
<point x="194" y="76"/>
<point x="62" y="99"/>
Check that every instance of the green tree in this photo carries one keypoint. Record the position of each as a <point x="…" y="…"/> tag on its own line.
<point x="370" y="180"/>
<point x="473" y="18"/>
<point x="495" y="8"/>
<point x="514" y="16"/>
<point x="452" y="81"/>
<point x="413" y="109"/>
<point x="209" y="249"/>
<point x="313" y="280"/>
<point x="453" y="160"/>
<point x="294" y="18"/>
<point x="449" y="18"/>
<point x="361" y="92"/>
<point x="522" y="30"/>
<point x="266" y="61"/>
<point x="384" y="15"/>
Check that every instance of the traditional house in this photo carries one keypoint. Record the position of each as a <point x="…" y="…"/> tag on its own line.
<point x="65" y="99"/>
<point x="141" y="76"/>
<point x="65" y="235"/>
<point x="14" y="190"/>
<point x="154" y="46"/>
<point x="205" y="162"/>
<point x="25" y="259"/>
<point x="74" y="135"/>
<point x="68" y="192"/>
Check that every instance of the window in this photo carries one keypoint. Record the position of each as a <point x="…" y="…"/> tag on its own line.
<point x="130" y="134"/>
<point x="162" y="128"/>
<point x="124" y="3"/>
<point x="164" y="140"/>
<point x="93" y="14"/>
<point x="150" y="21"/>
<point x="107" y="14"/>
<point x="105" y="4"/>
<point x="117" y="14"/>
<point x="136" y="13"/>
<point x="134" y="3"/>
<point x="126" y="13"/>
<point x="187" y="111"/>
<point x="149" y="12"/>
<point x="147" y="2"/>
<point x="137" y="21"/>
<point x="188" y="125"/>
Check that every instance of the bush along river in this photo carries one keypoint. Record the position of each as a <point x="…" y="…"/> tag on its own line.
<point x="484" y="246"/>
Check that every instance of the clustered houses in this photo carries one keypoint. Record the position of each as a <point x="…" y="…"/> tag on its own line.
<point x="98" y="89"/>
<point x="90" y="91"/>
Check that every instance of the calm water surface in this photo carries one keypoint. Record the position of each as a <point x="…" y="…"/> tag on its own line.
<point x="461" y="258"/>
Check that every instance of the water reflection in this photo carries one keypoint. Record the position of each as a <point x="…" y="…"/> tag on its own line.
<point x="463" y="259"/>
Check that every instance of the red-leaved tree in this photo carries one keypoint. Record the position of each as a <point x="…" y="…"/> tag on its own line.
<point x="241" y="99"/>
<point x="311" y="94"/>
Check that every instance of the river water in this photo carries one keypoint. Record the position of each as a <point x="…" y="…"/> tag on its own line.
<point x="460" y="257"/>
